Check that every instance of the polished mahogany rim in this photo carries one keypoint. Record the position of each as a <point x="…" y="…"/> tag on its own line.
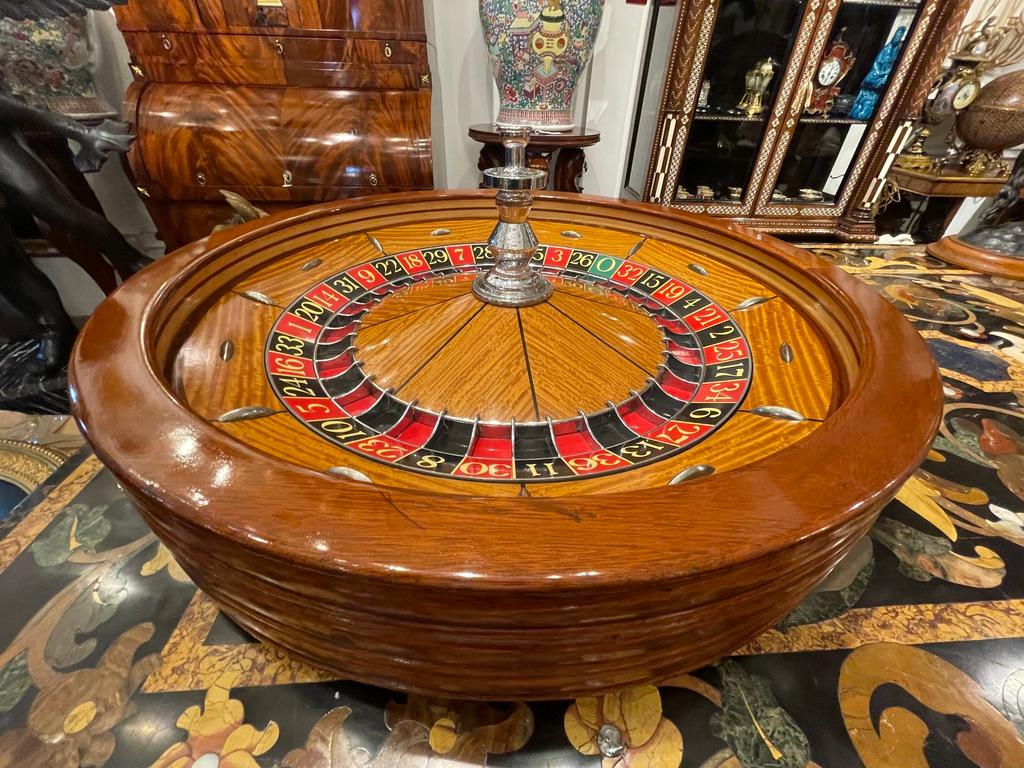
<point x="857" y="459"/>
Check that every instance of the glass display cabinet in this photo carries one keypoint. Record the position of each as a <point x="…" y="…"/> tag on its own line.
<point x="784" y="114"/>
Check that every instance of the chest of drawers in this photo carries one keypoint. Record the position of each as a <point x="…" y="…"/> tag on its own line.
<point x="285" y="102"/>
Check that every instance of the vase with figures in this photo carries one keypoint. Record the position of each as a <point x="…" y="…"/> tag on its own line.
<point x="538" y="50"/>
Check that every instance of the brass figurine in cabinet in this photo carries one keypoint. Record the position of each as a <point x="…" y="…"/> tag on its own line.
<point x="757" y="81"/>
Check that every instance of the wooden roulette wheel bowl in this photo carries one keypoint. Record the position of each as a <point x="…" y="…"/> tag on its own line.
<point x="364" y="465"/>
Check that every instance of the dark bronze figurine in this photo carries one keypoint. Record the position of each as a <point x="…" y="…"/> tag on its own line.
<point x="26" y="182"/>
<point x="1001" y="229"/>
<point x="1001" y="207"/>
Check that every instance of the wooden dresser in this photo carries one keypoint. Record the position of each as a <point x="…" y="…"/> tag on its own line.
<point x="285" y="102"/>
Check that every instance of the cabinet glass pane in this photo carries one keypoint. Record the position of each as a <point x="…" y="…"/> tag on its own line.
<point x="726" y="133"/>
<point x="865" y="45"/>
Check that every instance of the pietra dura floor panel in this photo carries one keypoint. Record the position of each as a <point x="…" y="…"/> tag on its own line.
<point x="911" y="654"/>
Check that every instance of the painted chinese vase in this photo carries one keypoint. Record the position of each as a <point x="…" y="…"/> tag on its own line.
<point x="538" y="49"/>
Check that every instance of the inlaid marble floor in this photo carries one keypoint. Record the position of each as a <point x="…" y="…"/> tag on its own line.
<point x="911" y="655"/>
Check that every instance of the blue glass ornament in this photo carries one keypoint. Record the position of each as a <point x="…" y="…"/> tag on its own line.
<point x="875" y="81"/>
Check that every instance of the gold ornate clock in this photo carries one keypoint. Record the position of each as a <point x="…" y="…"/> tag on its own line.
<point x="957" y="90"/>
<point x="835" y="65"/>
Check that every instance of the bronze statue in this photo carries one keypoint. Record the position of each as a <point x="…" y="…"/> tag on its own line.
<point x="1002" y="205"/>
<point x="996" y="246"/>
<point x="26" y="182"/>
<point x="1001" y="229"/>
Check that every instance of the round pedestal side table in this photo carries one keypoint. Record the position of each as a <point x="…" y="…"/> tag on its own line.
<point x="560" y="154"/>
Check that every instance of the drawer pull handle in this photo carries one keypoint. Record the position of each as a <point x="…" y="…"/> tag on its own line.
<point x="278" y="47"/>
<point x="165" y="41"/>
<point x="200" y="178"/>
<point x="374" y="180"/>
<point x="286" y="178"/>
<point x="387" y="50"/>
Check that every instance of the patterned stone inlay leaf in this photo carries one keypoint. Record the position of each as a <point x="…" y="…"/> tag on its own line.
<point x="626" y="728"/>
<point x="89" y="610"/>
<point x="14" y="681"/>
<point x="760" y="733"/>
<point x="81" y="527"/>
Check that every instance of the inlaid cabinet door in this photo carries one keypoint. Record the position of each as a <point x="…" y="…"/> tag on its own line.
<point x="785" y="115"/>
<point x="716" y="141"/>
<point x="840" y="114"/>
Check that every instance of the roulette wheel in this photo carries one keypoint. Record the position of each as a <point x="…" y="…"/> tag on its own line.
<point x="531" y="460"/>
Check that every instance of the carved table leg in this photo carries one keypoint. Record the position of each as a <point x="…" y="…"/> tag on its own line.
<point x="569" y="168"/>
<point x="491" y="156"/>
<point x="541" y="160"/>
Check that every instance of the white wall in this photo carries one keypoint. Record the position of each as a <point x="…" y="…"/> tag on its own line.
<point x="464" y="91"/>
<point x="116" y="194"/>
<point x="615" y="81"/>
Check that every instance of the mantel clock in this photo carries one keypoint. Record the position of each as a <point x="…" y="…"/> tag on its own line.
<point x="835" y="65"/>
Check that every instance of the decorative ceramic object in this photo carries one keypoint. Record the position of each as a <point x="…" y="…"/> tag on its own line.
<point x="835" y="65"/>
<point x="875" y="81"/>
<point x="538" y="49"/>
<point x="995" y="120"/>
